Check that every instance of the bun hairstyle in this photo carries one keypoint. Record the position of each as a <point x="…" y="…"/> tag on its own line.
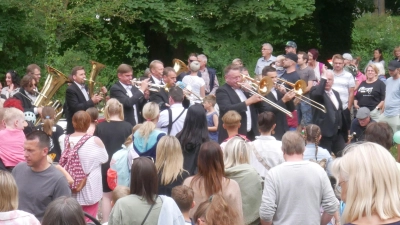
<point x="194" y="66"/>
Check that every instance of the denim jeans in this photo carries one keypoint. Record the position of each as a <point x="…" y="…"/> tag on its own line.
<point x="304" y="113"/>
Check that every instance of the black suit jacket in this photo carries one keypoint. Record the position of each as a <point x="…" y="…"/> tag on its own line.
<point x="75" y="101"/>
<point x="280" y="117"/>
<point x="227" y="99"/>
<point x="119" y="92"/>
<point x="330" y="121"/>
<point x="162" y="98"/>
<point x="25" y="100"/>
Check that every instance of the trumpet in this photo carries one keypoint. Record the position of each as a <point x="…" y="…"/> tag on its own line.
<point x="152" y="87"/>
<point x="187" y="89"/>
<point x="299" y="88"/>
<point x="263" y="87"/>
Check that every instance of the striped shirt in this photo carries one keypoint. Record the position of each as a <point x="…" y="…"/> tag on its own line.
<point x="343" y="81"/>
<point x="91" y="156"/>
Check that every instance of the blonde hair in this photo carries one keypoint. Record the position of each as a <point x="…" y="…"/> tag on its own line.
<point x="119" y="192"/>
<point x="11" y="115"/>
<point x="48" y="114"/>
<point x="129" y="140"/>
<point x="169" y="159"/>
<point x="113" y="107"/>
<point x="151" y="111"/>
<point x="236" y="152"/>
<point x="8" y="192"/>
<point x="210" y="99"/>
<point x="231" y="119"/>
<point x="373" y="181"/>
<point x="374" y="67"/>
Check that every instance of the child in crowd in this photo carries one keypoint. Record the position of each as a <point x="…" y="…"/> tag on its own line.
<point x="94" y="115"/>
<point x="183" y="196"/>
<point x="12" y="138"/>
<point x="231" y="123"/>
<point x="312" y="135"/>
<point x="117" y="193"/>
<point x="212" y="117"/>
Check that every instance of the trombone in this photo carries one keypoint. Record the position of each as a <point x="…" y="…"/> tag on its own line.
<point x="299" y="88"/>
<point x="152" y="87"/>
<point x="263" y="87"/>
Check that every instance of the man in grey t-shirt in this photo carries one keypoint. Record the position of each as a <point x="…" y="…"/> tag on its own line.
<point x="306" y="73"/>
<point x="295" y="190"/>
<point x="391" y="110"/>
<point x="38" y="182"/>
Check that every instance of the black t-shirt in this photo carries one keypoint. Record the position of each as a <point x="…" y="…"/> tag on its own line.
<point x="166" y="189"/>
<point x="359" y="130"/>
<point x="55" y="150"/>
<point x="292" y="77"/>
<point x="370" y="95"/>
<point x="113" y="134"/>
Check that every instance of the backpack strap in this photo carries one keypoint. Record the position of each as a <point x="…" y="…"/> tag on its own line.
<point x="81" y="142"/>
<point x="170" y="122"/>
<point x="147" y="215"/>
<point x="260" y="158"/>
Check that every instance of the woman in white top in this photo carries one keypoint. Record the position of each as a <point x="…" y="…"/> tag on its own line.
<point x="378" y="57"/>
<point x="267" y="151"/>
<point x="91" y="155"/>
<point x="314" y="64"/>
<point x="313" y="152"/>
<point x="195" y="83"/>
<point x="12" y="82"/>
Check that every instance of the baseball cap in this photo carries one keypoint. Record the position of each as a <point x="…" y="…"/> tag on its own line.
<point x="393" y="65"/>
<point x="292" y="56"/>
<point x="347" y="56"/>
<point x="291" y="44"/>
<point x="363" y="113"/>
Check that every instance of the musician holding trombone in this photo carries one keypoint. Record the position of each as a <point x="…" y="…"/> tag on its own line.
<point x="283" y="98"/>
<point x="230" y="96"/>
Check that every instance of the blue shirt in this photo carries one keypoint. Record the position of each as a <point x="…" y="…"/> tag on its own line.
<point x="392" y="99"/>
<point x="261" y="63"/>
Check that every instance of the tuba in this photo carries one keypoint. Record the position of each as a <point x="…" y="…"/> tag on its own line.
<point x="179" y="66"/>
<point x="55" y="79"/>
<point x="96" y="68"/>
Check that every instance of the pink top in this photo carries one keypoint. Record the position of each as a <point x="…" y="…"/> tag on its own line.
<point x="12" y="146"/>
<point x="18" y="217"/>
<point x="359" y="78"/>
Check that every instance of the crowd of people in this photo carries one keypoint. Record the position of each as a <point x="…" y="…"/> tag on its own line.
<point x="310" y="145"/>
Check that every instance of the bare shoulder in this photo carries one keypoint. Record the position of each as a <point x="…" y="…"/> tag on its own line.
<point x="98" y="142"/>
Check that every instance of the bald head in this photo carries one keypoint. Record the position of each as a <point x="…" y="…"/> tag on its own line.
<point x="329" y="79"/>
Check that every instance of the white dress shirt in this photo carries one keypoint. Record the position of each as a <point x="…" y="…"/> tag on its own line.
<point x="243" y="98"/>
<point x="128" y="89"/>
<point x="83" y="90"/>
<point x="176" y="109"/>
<point x="333" y="98"/>
<point x="157" y="81"/>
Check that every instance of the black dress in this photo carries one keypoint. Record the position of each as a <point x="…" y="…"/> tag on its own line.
<point x="113" y="134"/>
<point x="55" y="150"/>
<point x="166" y="189"/>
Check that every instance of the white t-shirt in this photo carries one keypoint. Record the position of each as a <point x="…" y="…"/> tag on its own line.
<point x="341" y="84"/>
<point x="195" y="84"/>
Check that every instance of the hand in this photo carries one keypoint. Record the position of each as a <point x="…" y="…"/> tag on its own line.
<point x="168" y="105"/>
<point x="253" y="99"/>
<point x="357" y="107"/>
<point x="104" y="90"/>
<point x="288" y="96"/>
<point x="96" y="98"/>
<point x="281" y="88"/>
<point x="144" y="85"/>
<point x="146" y="94"/>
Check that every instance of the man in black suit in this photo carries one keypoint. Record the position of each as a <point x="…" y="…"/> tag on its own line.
<point x="282" y="98"/>
<point x="156" y="72"/>
<point x="77" y="97"/>
<point x="331" y="122"/>
<point x="231" y="97"/>
<point x="131" y="97"/>
<point x="27" y="94"/>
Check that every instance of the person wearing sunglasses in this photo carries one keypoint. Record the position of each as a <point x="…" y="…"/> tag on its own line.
<point x="369" y="183"/>
<point x="27" y="94"/>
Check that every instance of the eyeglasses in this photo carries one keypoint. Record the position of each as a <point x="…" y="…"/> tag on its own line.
<point x="339" y="186"/>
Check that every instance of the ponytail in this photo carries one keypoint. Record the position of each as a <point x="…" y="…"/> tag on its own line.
<point x="48" y="114"/>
